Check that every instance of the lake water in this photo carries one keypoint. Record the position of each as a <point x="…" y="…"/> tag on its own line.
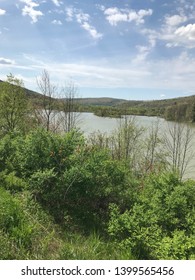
<point x="89" y="123"/>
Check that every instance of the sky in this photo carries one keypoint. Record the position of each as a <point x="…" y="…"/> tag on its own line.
<point x="130" y="49"/>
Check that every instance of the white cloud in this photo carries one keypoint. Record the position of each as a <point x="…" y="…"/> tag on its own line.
<point x="180" y="36"/>
<point x="144" y="51"/>
<point x="186" y="32"/>
<point x="6" y="61"/>
<point x="69" y="13"/>
<point x="173" y="74"/>
<point x="173" y="33"/>
<point x="57" y="2"/>
<point x="56" y="22"/>
<point x="92" y="31"/>
<point x="101" y="7"/>
<point x="82" y="17"/>
<point x="84" y="21"/>
<point x="2" y="12"/>
<point x="175" y="20"/>
<point x="30" y="11"/>
<point x="115" y="15"/>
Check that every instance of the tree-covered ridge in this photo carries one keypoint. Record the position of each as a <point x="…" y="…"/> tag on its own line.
<point x="175" y="109"/>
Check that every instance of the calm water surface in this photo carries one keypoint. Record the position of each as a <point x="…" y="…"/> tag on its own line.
<point x="89" y="123"/>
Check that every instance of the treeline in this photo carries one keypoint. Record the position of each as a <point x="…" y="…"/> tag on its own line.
<point x="181" y="109"/>
<point x="181" y="112"/>
<point x="119" y="112"/>
<point x="65" y="196"/>
<point x="66" y="99"/>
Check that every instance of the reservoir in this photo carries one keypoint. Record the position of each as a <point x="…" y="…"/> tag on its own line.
<point x="89" y="123"/>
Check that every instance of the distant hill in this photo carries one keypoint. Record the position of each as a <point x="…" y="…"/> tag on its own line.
<point x="33" y="96"/>
<point x="174" y="109"/>
<point x="162" y="103"/>
<point x="101" y="101"/>
<point x="29" y="93"/>
<point x="181" y="108"/>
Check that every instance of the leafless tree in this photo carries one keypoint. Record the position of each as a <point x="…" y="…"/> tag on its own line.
<point x="153" y="153"/>
<point x="178" y="142"/>
<point x="69" y="107"/>
<point x="47" y="115"/>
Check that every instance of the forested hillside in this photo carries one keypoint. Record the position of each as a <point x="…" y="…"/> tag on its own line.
<point x="175" y="109"/>
<point x="178" y="109"/>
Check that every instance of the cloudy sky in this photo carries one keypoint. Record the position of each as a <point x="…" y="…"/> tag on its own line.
<point x="132" y="49"/>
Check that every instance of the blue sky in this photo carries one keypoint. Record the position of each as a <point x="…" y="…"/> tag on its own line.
<point x="131" y="49"/>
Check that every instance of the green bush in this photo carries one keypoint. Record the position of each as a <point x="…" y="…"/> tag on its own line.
<point x="44" y="150"/>
<point x="161" y="224"/>
<point x="10" y="215"/>
<point x="84" y="188"/>
<point x="8" y="146"/>
<point x="12" y="182"/>
<point x="59" y="189"/>
<point x="26" y="230"/>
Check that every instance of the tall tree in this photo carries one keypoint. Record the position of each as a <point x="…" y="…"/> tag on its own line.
<point x="69" y="107"/>
<point x="178" y="141"/>
<point x="13" y="105"/>
<point x="47" y="115"/>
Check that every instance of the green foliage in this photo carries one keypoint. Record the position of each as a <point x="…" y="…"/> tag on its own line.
<point x="163" y="214"/>
<point x="9" y="145"/>
<point x="44" y="150"/>
<point x="65" y="198"/>
<point x="26" y="230"/>
<point x="7" y="251"/>
<point x="12" y="183"/>
<point x="7" y="151"/>
<point x="181" y="112"/>
<point x="10" y="215"/>
<point x="63" y="174"/>
<point x="83" y="187"/>
<point x="13" y="105"/>
<point x="179" y="246"/>
<point x="92" y="247"/>
<point x="107" y="111"/>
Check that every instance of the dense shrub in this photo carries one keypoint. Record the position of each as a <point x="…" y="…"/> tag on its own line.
<point x="160" y="225"/>
<point x="42" y="150"/>
<point x="26" y="230"/>
<point x="10" y="215"/>
<point x="57" y="190"/>
<point x="83" y="188"/>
